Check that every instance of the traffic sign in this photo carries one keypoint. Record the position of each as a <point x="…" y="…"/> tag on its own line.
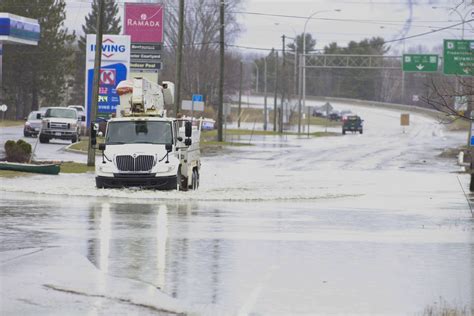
<point x="192" y="105"/>
<point x="3" y="108"/>
<point x="420" y="63"/>
<point x="198" y="97"/>
<point x="459" y="57"/>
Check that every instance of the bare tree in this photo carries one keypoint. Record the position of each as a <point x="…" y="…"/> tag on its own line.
<point x="453" y="99"/>
<point x="201" y="46"/>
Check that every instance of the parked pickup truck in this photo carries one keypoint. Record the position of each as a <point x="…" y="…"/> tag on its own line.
<point x="60" y="123"/>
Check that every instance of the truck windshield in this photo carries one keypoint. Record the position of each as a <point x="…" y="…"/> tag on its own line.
<point x="63" y="113"/>
<point x="136" y="132"/>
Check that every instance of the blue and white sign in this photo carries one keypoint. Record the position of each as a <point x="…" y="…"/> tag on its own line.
<point x="15" y="29"/>
<point x="198" y="98"/>
<point x="115" y="67"/>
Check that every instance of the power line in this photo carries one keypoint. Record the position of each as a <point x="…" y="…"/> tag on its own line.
<point x="428" y="33"/>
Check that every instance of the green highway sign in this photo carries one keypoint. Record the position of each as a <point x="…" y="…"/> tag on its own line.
<point x="420" y="62"/>
<point x="459" y="57"/>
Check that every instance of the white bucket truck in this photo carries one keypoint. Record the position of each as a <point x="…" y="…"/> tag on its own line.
<point x="145" y="148"/>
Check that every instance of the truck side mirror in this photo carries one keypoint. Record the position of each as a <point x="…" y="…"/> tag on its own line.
<point x="38" y="116"/>
<point x="188" y="129"/>
<point x="188" y="141"/>
<point x="169" y="147"/>
<point x="102" y="147"/>
<point x="83" y="118"/>
<point x="93" y="134"/>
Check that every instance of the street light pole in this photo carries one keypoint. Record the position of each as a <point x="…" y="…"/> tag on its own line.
<point x="265" y="113"/>
<point x="304" y="57"/>
<point x="256" y="83"/>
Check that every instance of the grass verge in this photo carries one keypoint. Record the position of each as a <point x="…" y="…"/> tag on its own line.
<point x="8" y="123"/>
<point x="66" y="167"/>
<point x="14" y="174"/>
<point x="75" y="167"/>
<point x="83" y="145"/>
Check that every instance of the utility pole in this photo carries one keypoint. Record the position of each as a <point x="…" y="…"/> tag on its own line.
<point x="275" y="96"/>
<point x="95" y="84"/>
<point x="179" y="56"/>
<point x="240" y="95"/>
<point x="282" y="86"/>
<point x="221" y="76"/>
<point x="300" y="93"/>
<point x="265" y="110"/>
<point x="470" y="101"/>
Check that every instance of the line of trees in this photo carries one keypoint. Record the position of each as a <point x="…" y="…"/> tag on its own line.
<point x="383" y="85"/>
<point x="53" y="73"/>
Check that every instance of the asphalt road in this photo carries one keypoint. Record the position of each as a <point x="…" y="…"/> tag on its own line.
<point x="357" y="224"/>
<point x="54" y="150"/>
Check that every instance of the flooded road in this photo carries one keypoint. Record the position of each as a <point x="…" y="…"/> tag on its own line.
<point x="360" y="224"/>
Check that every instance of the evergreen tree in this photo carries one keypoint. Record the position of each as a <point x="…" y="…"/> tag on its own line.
<point x="111" y="25"/>
<point x="309" y="45"/>
<point x="35" y="75"/>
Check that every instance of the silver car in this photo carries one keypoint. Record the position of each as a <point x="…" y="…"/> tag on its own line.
<point x="32" y="124"/>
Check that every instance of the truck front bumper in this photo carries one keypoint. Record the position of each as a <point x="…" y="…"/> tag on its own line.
<point x="143" y="181"/>
<point x="59" y="134"/>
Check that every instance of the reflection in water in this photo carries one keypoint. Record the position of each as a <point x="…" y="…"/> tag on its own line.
<point x="104" y="237"/>
<point x="161" y="240"/>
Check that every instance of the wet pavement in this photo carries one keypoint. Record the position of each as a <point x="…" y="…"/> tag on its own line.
<point x="360" y="224"/>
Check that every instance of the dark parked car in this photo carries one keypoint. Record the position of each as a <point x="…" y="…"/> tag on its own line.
<point x="352" y="123"/>
<point x="334" y="116"/>
<point x="32" y="124"/>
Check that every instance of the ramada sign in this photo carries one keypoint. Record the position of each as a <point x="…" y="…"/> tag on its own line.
<point x="144" y="22"/>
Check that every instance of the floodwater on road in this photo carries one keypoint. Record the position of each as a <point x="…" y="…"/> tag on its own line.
<point x="360" y="224"/>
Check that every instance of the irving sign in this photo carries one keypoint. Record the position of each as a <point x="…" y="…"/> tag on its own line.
<point x="144" y="22"/>
<point x="115" y="67"/>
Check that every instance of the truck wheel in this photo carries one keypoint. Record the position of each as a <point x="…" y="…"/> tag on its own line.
<point x="43" y="139"/>
<point x="74" y="139"/>
<point x="195" y="181"/>
<point x="343" y="132"/>
<point x="361" y="131"/>
<point x="99" y="184"/>
<point x="181" y="182"/>
<point x="178" y="179"/>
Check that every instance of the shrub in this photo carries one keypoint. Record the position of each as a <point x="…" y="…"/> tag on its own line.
<point x="17" y="152"/>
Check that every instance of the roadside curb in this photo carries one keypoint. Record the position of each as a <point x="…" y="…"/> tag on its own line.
<point x="69" y="149"/>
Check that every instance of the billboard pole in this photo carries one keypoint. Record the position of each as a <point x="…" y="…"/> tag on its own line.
<point x="179" y="56"/>
<point x="95" y="85"/>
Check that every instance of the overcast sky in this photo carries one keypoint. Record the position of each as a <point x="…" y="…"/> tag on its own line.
<point x="357" y="19"/>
